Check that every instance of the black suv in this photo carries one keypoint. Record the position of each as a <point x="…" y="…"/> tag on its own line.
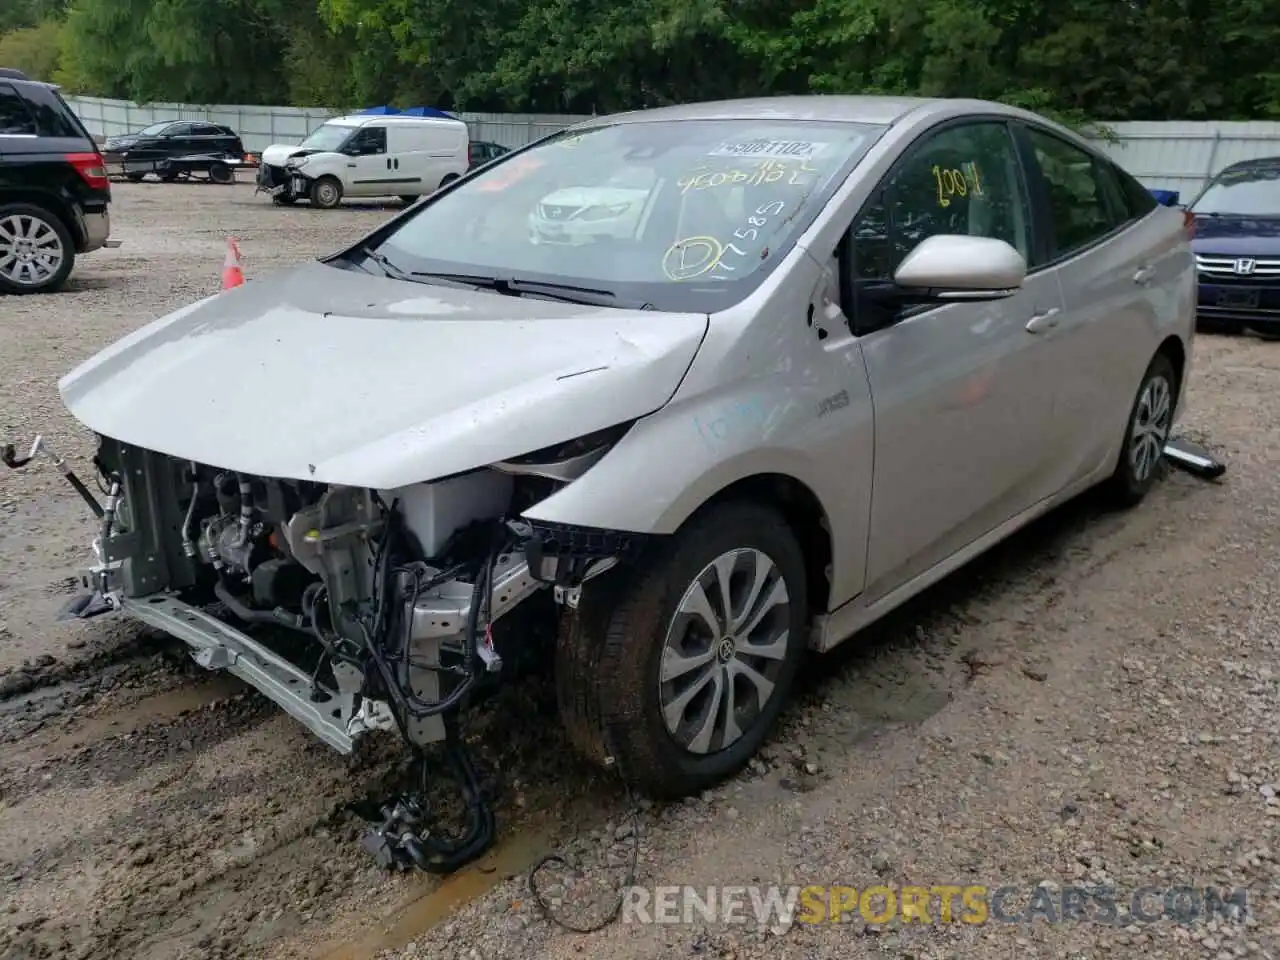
<point x="54" y="191"/>
<point x="140" y="153"/>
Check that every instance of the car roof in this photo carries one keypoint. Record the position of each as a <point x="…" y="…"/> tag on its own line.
<point x="362" y="120"/>
<point x="858" y="109"/>
<point x="1257" y="163"/>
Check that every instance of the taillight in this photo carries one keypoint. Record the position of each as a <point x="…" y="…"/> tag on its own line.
<point x="92" y="169"/>
<point x="1189" y="224"/>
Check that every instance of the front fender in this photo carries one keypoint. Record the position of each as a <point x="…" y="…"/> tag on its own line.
<point x="674" y="461"/>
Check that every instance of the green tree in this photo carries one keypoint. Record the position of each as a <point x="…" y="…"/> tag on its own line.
<point x="33" y="50"/>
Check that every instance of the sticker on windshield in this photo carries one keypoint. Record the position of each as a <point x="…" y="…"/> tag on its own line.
<point x="509" y="174"/>
<point x="791" y="149"/>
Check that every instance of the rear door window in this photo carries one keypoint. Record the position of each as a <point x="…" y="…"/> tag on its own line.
<point x="1081" y="202"/>
<point x="16" y="117"/>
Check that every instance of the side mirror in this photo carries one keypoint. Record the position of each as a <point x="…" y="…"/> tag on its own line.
<point x="957" y="267"/>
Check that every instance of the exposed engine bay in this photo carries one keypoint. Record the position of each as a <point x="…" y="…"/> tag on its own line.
<point x="395" y="594"/>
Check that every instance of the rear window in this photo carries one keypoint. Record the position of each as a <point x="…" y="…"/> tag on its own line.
<point x="1137" y="198"/>
<point x="16" y="118"/>
<point x="57" y="119"/>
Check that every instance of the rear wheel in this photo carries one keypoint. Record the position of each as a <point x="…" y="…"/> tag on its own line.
<point x="134" y="177"/>
<point x="1150" y="421"/>
<point x="409" y="199"/>
<point x="221" y="173"/>
<point x="326" y="193"/>
<point x="678" y="668"/>
<point x="36" y="249"/>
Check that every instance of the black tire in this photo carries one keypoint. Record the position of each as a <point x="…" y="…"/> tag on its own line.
<point x="448" y="179"/>
<point x="58" y="278"/>
<point x="1132" y="480"/>
<point x="221" y="173"/>
<point x="284" y="200"/>
<point x="326" y="193"/>
<point x="134" y="177"/>
<point x="610" y="652"/>
<point x="409" y="200"/>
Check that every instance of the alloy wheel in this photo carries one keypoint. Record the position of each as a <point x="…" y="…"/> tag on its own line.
<point x="1151" y="422"/>
<point x="724" y="650"/>
<point x="31" y="252"/>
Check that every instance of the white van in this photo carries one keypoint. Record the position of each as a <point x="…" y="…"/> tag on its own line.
<point x="367" y="156"/>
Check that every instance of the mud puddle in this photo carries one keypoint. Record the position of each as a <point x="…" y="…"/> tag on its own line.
<point x="124" y="719"/>
<point x="433" y="901"/>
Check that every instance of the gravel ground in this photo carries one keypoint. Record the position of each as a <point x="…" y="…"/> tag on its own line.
<point x="1095" y="702"/>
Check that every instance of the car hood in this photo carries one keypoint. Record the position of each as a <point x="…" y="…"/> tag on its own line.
<point x="342" y="377"/>
<point x="593" y="196"/>
<point x="278" y="153"/>
<point x="1237" y="236"/>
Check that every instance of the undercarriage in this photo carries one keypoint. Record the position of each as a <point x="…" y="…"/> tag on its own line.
<point x="355" y="610"/>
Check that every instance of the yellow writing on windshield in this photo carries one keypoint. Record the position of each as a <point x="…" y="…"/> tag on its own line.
<point x="691" y="257"/>
<point x="957" y="182"/>
<point x="767" y="171"/>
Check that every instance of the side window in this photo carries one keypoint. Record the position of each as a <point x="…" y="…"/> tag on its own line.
<point x="15" y="117"/>
<point x="964" y="180"/>
<point x="205" y="130"/>
<point x="1081" y="197"/>
<point x="178" y="130"/>
<point x="1138" y="199"/>
<point x="369" y="140"/>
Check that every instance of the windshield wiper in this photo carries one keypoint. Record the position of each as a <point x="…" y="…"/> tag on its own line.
<point x="514" y="286"/>
<point x="388" y="268"/>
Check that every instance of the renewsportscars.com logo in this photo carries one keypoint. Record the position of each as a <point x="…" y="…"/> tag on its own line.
<point x="939" y="903"/>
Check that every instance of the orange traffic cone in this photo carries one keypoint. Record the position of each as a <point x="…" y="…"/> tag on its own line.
<point x="232" y="275"/>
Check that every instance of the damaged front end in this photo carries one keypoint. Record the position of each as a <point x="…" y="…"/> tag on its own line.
<point x="353" y="609"/>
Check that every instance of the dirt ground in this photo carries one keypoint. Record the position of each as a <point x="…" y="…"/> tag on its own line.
<point x="1096" y="702"/>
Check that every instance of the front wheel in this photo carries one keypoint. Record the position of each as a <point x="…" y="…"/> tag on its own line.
<point x="1150" y="420"/>
<point x="326" y="193"/>
<point x="36" y="249"/>
<point x="677" y="669"/>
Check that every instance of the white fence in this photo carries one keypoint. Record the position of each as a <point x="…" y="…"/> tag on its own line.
<point x="1183" y="156"/>
<point x="259" y="127"/>
<point x="1165" y="156"/>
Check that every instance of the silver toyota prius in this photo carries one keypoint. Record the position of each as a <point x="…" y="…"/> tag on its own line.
<point x="764" y="370"/>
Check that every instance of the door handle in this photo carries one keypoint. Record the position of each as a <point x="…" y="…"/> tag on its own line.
<point x="1044" y="320"/>
<point x="1143" y="276"/>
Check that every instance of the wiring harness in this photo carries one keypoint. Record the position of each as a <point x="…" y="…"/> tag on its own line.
<point x="405" y="838"/>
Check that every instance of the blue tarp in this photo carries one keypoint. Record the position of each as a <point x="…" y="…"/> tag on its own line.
<point x="410" y="112"/>
<point x="1167" y="198"/>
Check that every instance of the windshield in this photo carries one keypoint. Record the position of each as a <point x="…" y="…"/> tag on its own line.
<point x="152" y="130"/>
<point x="1252" y="192"/>
<point x="679" y="215"/>
<point x="328" y="138"/>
